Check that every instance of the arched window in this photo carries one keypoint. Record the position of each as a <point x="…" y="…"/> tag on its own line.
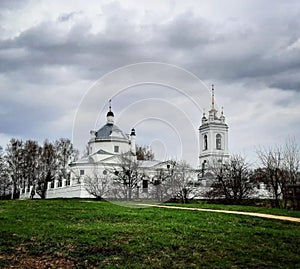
<point x="205" y="142"/>
<point x="219" y="141"/>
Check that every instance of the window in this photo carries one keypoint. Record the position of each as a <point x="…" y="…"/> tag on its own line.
<point x="116" y="149"/>
<point x="81" y="172"/>
<point x="218" y="141"/>
<point x="156" y="182"/>
<point x="145" y="184"/>
<point x="52" y="184"/>
<point x="68" y="182"/>
<point x="205" y="142"/>
<point x="59" y="183"/>
<point x="104" y="172"/>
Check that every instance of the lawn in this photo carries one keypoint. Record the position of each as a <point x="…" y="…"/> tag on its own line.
<point x="81" y="234"/>
<point x="244" y="208"/>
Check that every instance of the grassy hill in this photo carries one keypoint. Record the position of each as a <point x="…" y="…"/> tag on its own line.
<point x="81" y="234"/>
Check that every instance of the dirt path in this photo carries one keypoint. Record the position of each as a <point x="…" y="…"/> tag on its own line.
<point x="261" y="215"/>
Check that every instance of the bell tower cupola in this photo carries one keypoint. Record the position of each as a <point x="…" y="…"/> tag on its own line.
<point x="110" y="115"/>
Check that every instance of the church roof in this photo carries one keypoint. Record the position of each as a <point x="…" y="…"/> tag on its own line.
<point x="111" y="131"/>
<point x="84" y="160"/>
<point x="149" y="163"/>
<point x="103" y="152"/>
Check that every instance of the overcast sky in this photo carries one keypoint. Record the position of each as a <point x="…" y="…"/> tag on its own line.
<point x="53" y="52"/>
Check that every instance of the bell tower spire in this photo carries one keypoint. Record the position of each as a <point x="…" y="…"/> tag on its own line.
<point x="212" y="97"/>
<point x="213" y="111"/>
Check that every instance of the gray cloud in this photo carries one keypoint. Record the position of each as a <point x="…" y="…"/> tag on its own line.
<point x="45" y="68"/>
<point x="186" y="39"/>
<point x="12" y="4"/>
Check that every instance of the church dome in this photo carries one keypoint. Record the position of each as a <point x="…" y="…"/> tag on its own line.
<point x="111" y="131"/>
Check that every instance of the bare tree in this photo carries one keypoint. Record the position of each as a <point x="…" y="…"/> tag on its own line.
<point x="164" y="182"/>
<point x="23" y="164"/>
<point x="48" y="168"/>
<point x="272" y="162"/>
<point x="126" y="176"/>
<point x="279" y="168"/>
<point x="184" y="182"/>
<point x="65" y="154"/>
<point x="291" y="159"/>
<point x="31" y="159"/>
<point x="144" y="153"/>
<point x="233" y="180"/>
<point x="291" y="167"/>
<point x="32" y="165"/>
<point x="5" y="183"/>
<point x="98" y="183"/>
<point x="173" y="181"/>
<point x="14" y="158"/>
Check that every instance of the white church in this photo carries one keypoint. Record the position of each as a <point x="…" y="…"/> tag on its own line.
<point x="109" y="143"/>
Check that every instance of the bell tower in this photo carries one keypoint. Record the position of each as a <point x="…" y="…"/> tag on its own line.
<point x="213" y="137"/>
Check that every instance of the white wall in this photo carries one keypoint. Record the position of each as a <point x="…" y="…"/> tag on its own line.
<point x="109" y="146"/>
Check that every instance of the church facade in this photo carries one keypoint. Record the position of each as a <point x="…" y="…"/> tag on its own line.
<point x="108" y="148"/>
<point x="112" y="152"/>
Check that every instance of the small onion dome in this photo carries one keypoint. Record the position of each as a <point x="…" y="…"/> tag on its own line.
<point x="110" y="114"/>
<point x="132" y="132"/>
<point x="203" y="117"/>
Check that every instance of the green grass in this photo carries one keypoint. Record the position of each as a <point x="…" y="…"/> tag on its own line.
<point x="80" y="234"/>
<point x="273" y="211"/>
